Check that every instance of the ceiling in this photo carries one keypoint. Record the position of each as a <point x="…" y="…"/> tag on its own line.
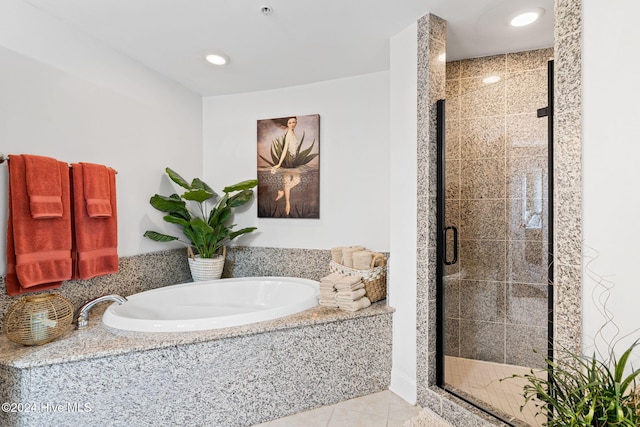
<point x="300" y="42"/>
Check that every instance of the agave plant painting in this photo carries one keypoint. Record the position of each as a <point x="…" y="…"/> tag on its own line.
<point x="288" y="167"/>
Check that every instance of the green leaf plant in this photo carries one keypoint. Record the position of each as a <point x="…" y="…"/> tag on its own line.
<point x="577" y="390"/>
<point x="584" y="391"/>
<point x="207" y="225"/>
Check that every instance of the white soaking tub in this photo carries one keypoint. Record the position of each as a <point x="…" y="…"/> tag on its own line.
<point x="213" y="304"/>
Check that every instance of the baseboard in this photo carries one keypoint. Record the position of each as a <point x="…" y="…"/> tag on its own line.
<point x="403" y="386"/>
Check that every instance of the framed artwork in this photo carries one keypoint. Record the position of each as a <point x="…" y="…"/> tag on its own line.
<point x="289" y="167"/>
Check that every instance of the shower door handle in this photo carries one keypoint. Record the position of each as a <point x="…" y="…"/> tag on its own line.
<point x="455" y="245"/>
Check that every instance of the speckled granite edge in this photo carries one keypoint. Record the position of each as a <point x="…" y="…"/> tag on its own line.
<point x="99" y="340"/>
<point x="457" y="411"/>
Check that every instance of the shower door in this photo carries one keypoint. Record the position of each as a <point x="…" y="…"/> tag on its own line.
<point x="494" y="170"/>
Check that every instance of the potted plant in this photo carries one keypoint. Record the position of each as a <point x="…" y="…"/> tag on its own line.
<point x="584" y="391"/>
<point x="207" y="225"/>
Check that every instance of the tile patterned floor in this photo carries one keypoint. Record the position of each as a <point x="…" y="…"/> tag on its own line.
<point x="384" y="409"/>
<point x="482" y="381"/>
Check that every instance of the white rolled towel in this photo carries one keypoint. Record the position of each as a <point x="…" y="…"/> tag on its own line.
<point x="363" y="302"/>
<point x="332" y="278"/>
<point x="327" y="285"/>
<point x="328" y="303"/>
<point x="336" y="254"/>
<point x="347" y="255"/>
<point x="362" y="260"/>
<point x="350" y="295"/>
<point x="349" y="283"/>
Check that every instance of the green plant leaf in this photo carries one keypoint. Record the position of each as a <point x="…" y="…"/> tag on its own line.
<point x="224" y="215"/>
<point x="244" y="185"/>
<point x="175" y="177"/>
<point x="159" y="237"/>
<point x="240" y="198"/>
<point x="207" y="237"/>
<point x="199" y="184"/>
<point x="240" y="232"/>
<point x="170" y="205"/>
<point x="199" y="195"/>
<point x="176" y="220"/>
<point x="219" y="211"/>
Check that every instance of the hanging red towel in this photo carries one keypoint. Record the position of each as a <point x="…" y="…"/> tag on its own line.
<point x="38" y="250"/>
<point x="97" y="190"/>
<point x="96" y="238"/>
<point x="44" y="186"/>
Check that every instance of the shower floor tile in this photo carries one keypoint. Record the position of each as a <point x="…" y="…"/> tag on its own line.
<point x="481" y="381"/>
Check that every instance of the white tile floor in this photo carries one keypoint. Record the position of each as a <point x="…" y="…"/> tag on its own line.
<point x="384" y="409"/>
<point x="482" y="381"/>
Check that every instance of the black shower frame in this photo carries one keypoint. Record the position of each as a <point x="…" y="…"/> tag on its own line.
<point x="441" y="236"/>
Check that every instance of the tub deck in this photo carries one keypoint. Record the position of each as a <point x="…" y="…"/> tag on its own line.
<point x="227" y="377"/>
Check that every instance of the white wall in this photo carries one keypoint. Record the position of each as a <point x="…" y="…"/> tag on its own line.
<point x="354" y="159"/>
<point x="63" y="95"/>
<point x="610" y="161"/>
<point x="403" y="215"/>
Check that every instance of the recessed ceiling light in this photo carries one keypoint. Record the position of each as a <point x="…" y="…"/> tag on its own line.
<point x="216" y="58"/>
<point x="526" y="17"/>
<point x="266" y="9"/>
<point x="491" y="79"/>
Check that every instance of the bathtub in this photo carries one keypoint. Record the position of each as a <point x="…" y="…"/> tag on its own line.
<point x="213" y="304"/>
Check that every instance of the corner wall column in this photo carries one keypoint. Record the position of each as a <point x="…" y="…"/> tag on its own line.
<point x="432" y="33"/>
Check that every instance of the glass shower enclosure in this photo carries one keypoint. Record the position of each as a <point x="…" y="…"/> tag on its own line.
<point x="494" y="222"/>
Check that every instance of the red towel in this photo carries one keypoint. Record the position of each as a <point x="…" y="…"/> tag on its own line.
<point x="97" y="190"/>
<point x="96" y="239"/>
<point x="38" y="250"/>
<point x="44" y="186"/>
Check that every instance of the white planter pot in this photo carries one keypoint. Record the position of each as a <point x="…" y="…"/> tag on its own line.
<point x="206" y="268"/>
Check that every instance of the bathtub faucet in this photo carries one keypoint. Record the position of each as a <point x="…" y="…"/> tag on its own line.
<point x="82" y="318"/>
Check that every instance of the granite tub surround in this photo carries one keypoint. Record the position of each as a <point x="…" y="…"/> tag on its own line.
<point x="137" y="273"/>
<point x="245" y="261"/>
<point x="227" y="377"/>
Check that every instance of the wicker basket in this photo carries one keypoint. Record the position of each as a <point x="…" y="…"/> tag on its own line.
<point x="38" y="319"/>
<point x="203" y="269"/>
<point x="375" y="279"/>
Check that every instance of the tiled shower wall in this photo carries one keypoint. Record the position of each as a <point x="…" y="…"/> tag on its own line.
<point x="567" y="203"/>
<point x="497" y="197"/>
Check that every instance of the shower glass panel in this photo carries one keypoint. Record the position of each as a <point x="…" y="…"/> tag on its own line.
<point x="494" y="223"/>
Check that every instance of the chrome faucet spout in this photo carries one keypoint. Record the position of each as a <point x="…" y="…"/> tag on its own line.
<point x="82" y="316"/>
